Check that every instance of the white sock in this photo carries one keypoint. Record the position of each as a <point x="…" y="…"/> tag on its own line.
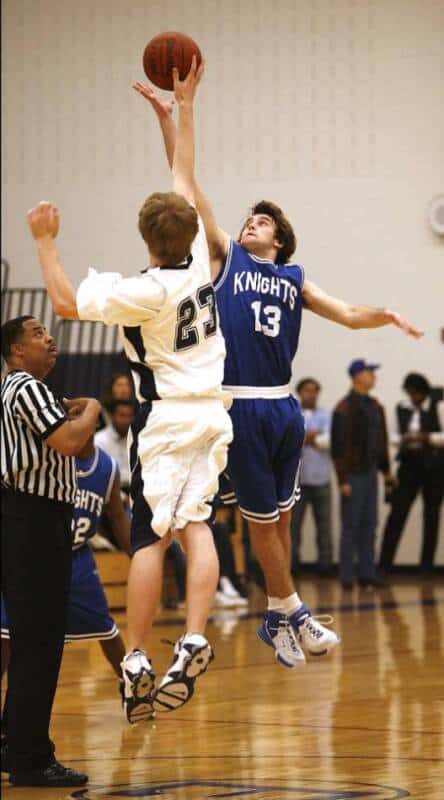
<point x="291" y="603"/>
<point x="275" y="604"/>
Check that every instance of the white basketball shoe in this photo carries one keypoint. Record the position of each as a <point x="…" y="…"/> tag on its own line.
<point x="137" y="687"/>
<point x="192" y="655"/>
<point x="313" y="636"/>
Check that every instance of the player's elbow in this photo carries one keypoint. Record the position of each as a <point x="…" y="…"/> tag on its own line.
<point x="65" y="309"/>
<point x="351" y="319"/>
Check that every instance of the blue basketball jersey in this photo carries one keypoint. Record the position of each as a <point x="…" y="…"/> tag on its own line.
<point x="260" y="309"/>
<point x="95" y="478"/>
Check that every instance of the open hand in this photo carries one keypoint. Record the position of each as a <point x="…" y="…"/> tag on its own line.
<point x="404" y="325"/>
<point x="185" y="90"/>
<point x="44" y="220"/>
<point x="161" y="106"/>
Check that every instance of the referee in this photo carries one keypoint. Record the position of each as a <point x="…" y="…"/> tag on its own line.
<point x="39" y="440"/>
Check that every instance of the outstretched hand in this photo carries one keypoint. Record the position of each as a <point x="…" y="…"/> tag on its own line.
<point x="161" y="106"/>
<point x="44" y="220"/>
<point x="404" y="325"/>
<point x="185" y="90"/>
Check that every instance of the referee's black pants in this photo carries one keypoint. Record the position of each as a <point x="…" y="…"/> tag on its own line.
<point x="414" y="478"/>
<point x="36" y="573"/>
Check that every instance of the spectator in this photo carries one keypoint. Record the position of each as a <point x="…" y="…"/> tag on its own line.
<point x="359" y="448"/>
<point x="120" y="387"/>
<point x="420" y="437"/>
<point x="113" y="438"/>
<point x="314" y="478"/>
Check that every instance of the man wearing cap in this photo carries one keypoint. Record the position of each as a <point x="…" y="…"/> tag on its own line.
<point x="359" y="448"/>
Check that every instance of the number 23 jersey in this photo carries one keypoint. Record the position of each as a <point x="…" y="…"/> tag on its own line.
<point x="260" y="310"/>
<point x="169" y="324"/>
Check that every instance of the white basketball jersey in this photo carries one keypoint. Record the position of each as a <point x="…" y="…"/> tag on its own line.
<point x="169" y="325"/>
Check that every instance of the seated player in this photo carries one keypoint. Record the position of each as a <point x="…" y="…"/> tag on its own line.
<point x="88" y="615"/>
<point x="180" y="436"/>
<point x="260" y="297"/>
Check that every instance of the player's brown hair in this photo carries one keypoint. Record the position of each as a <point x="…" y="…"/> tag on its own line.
<point x="284" y="231"/>
<point x="168" y="225"/>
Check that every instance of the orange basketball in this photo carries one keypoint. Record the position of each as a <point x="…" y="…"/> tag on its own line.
<point x="168" y="50"/>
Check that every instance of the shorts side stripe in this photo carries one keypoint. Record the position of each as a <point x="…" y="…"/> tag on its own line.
<point x="74" y="637"/>
<point x="77" y="636"/>
<point x="272" y="516"/>
<point x="287" y="504"/>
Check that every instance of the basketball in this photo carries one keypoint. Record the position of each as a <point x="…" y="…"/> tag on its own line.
<point x="168" y="50"/>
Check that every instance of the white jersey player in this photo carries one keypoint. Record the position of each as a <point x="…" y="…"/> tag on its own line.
<point x="181" y="433"/>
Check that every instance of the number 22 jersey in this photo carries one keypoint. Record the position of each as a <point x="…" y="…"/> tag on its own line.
<point x="260" y="310"/>
<point x="95" y="478"/>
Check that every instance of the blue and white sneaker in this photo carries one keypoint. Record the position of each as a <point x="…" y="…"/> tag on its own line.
<point x="277" y="633"/>
<point x="137" y="686"/>
<point x="313" y="636"/>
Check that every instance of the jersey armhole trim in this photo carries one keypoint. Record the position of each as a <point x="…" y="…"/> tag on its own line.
<point x="222" y="276"/>
<point x="111" y="481"/>
<point x="302" y="276"/>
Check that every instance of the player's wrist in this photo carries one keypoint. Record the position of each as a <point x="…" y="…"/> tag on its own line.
<point x="45" y="242"/>
<point x="185" y="104"/>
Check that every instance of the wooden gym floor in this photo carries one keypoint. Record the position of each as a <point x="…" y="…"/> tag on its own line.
<point x="365" y="722"/>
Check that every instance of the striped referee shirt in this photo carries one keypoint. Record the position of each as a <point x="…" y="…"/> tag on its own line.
<point x="30" y="413"/>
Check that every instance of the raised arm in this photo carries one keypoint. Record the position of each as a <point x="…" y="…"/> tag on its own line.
<point x="218" y="240"/>
<point x="183" y="158"/>
<point x="44" y="221"/>
<point x="101" y="297"/>
<point x="321" y="303"/>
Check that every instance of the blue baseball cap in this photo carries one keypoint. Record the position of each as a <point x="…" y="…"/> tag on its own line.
<point x="359" y="365"/>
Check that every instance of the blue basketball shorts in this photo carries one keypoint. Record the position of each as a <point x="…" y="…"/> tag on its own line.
<point x="88" y="613"/>
<point x="264" y="458"/>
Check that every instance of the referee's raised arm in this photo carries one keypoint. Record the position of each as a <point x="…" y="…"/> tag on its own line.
<point x="38" y="489"/>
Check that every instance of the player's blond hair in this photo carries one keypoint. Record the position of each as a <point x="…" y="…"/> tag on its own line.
<point x="168" y="225"/>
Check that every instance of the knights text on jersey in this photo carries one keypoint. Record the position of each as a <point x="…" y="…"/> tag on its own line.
<point x="260" y="309"/>
<point x="95" y="478"/>
<point x="169" y="324"/>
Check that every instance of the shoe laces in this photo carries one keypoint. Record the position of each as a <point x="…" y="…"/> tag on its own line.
<point x="291" y="638"/>
<point x="312" y="623"/>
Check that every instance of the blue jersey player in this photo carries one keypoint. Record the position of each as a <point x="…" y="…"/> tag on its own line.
<point x="260" y="297"/>
<point x="88" y="615"/>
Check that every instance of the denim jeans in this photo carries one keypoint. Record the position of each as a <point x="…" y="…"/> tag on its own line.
<point x="319" y="497"/>
<point x="359" y="520"/>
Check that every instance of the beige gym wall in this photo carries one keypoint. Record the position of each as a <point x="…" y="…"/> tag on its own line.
<point x="332" y="108"/>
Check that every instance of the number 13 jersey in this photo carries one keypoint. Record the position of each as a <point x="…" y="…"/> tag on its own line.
<point x="169" y="324"/>
<point x="260" y="309"/>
